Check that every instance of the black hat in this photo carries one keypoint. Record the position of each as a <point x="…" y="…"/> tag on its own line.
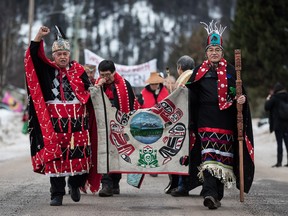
<point x="278" y="87"/>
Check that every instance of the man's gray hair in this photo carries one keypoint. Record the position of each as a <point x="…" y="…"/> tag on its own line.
<point x="186" y="63"/>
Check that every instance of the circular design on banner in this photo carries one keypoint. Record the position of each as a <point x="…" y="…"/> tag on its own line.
<point x="146" y="127"/>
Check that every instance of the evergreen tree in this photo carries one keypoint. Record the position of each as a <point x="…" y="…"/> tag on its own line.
<point x="194" y="46"/>
<point x="197" y="45"/>
<point x="260" y="30"/>
<point x="142" y="33"/>
<point x="11" y="18"/>
<point x="178" y="49"/>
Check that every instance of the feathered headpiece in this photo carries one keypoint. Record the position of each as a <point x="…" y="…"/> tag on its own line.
<point x="61" y="42"/>
<point x="214" y="34"/>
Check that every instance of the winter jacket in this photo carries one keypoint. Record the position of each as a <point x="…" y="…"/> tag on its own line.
<point x="149" y="98"/>
<point x="272" y="105"/>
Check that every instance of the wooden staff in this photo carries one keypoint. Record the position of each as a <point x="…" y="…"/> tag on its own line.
<point x="237" y="53"/>
<point x="168" y="76"/>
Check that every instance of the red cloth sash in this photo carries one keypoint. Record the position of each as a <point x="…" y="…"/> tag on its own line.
<point x="121" y="91"/>
<point x="222" y="81"/>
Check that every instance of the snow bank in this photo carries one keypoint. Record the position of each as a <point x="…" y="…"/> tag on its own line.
<point x="12" y="142"/>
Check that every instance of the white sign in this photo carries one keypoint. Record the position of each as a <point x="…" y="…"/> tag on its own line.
<point x="135" y="74"/>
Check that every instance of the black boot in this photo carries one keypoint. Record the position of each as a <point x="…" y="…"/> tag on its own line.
<point x="116" y="189"/>
<point x="106" y="191"/>
<point x="277" y="165"/>
<point x="75" y="193"/>
<point x="211" y="202"/>
<point x="173" y="183"/>
<point x="56" y="201"/>
<point x="179" y="192"/>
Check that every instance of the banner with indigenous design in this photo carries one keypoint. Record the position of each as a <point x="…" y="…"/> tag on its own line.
<point x="135" y="74"/>
<point x="143" y="141"/>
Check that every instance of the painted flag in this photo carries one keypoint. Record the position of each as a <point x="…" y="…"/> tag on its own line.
<point x="146" y="141"/>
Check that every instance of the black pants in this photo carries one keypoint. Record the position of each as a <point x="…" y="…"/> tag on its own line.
<point x="212" y="186"/>
<point x="280" y="136"/>
<point x="111" y="180"/>
<point x="174" y="179"/>
<point x="58" y="184"/>
<point x="184" y="183"/>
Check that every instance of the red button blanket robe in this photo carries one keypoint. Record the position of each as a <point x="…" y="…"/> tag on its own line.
<point x="63" y="136"/>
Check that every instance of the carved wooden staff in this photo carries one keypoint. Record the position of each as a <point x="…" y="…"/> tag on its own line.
<point x="237" y="53"/>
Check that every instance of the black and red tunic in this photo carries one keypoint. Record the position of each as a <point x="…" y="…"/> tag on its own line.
<point x="61" y="115"/>
<point x="214" y="123"/>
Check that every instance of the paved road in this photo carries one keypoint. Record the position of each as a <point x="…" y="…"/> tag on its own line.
<point x="24" y="193"/>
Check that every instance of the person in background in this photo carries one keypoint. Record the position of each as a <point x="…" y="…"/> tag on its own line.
<point x="180" y="185"/>
<point x="212" y="107"/>
<point x="185" y="66"/>
<point x="25" y="120"/>
<point x="169" y="83"/>
<point x="121" y="96"/>
<point x="153" y="93"/>
<point x="60" y="114"/>
<point x="90" y="70"/>
<point x="276" y="123"/>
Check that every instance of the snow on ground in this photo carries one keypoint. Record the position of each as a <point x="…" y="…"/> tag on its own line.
<point x="12" y="142"/>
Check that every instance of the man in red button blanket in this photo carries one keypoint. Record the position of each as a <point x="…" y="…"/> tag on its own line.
<point x="61" y="118"/>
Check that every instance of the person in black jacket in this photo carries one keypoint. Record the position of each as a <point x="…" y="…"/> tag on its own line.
<point x="277" y="124"/>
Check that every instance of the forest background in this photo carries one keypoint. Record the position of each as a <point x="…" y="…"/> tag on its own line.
<point x="132" y="32"/>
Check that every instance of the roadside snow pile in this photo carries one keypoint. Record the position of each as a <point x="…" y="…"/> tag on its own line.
<point x="260" y="126"/>
<point x="10" y="125"/>
<point x="12" y="141"/>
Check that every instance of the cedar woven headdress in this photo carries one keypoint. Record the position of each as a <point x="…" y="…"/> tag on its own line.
<point x="154" y="78"/>
<point x="90" y="68"/>
<point x="214" y="34"/>
<point x="61" y="42"/>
